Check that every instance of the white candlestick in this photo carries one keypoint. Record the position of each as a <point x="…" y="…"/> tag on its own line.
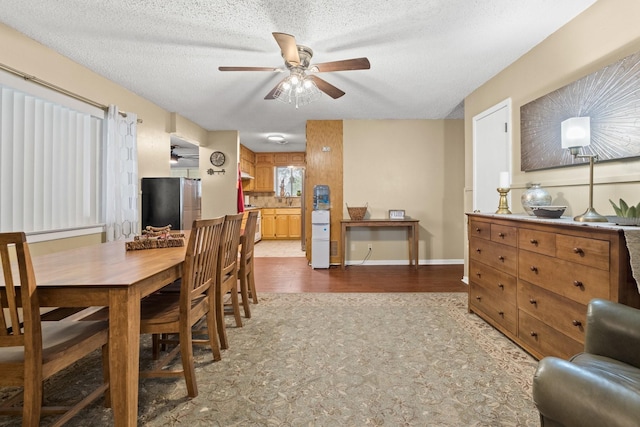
<point x="504" y="180"/>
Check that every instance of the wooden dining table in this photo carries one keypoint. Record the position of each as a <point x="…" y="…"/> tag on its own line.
<point x="108" y="275"/>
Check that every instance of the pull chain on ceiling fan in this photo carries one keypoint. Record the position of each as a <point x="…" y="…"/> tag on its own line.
<point x="301" y="87"/>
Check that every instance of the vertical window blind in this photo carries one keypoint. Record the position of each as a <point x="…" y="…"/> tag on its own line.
<point x="50" y="165"/>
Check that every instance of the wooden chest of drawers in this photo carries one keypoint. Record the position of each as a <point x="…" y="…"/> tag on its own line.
<point x="532" y="279"/>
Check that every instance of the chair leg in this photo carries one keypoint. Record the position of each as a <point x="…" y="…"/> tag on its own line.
<point x="235" y="302"/>
<point x="244" y="291"/>
<point x="105" y="375"/>
<point x="186" y="354"/>
<point x="222" y="331"/>
<point x="252" y="285"/>
<point x="33" y="395"/>
<point x="214" y="340"/>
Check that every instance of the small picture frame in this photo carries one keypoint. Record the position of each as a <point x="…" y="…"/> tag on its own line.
<point x="396" y="213"/>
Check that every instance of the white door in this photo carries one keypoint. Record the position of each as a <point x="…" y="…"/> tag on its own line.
<point x="491" y="155"/>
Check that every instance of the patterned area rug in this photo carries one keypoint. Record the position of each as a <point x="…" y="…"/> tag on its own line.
<point x="343" y="360"/>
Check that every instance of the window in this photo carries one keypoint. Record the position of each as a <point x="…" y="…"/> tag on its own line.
<point x="50" y="164"/>
<point x="288" y="181"/>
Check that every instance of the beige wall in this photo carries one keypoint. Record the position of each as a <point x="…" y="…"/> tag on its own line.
<point x="603" y="34"/>
<point x="220" y="191"/>
<point x="415" y="165"/>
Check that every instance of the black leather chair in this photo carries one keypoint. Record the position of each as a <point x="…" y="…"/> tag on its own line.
<point x="601" y="386"/>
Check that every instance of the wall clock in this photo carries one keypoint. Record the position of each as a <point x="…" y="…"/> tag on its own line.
<point x="217" y="158"/>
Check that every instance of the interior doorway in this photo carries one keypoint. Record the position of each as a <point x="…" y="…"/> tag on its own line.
<point x="491" y="155"/>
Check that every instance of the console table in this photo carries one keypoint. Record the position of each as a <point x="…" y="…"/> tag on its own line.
<point x="410" y="224"/>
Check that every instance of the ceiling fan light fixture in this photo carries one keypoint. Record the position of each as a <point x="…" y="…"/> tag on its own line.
<point x="298" y="89"/>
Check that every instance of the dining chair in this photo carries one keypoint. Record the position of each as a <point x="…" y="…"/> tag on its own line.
<point x="164" y="314"/>
<point x="227" y="275"/>
<point x="32" y="350"/>
<point x="245" y="269"/>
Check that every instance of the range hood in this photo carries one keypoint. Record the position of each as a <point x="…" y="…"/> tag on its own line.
<point x="245" y="175"/>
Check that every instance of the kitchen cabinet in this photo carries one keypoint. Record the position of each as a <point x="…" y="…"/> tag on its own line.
<point x="289" y="159"/>
<point x="295" y="228"/>
<point x="268" y="224"/>
<point x="281" y="223"/>
<point x="264" y="158"/>
<point x="247" y="165"/>
<point x="533" y="279"/>
<point x="264" y="178"/>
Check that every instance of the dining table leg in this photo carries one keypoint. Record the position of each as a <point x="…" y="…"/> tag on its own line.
<point x="124" y="352"/>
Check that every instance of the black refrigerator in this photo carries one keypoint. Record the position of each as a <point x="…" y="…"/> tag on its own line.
<point x="171" y="201"/>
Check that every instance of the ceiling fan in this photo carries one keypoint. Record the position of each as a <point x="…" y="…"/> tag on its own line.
<point x="297" y="60"/>
<point x="175" y="157"/>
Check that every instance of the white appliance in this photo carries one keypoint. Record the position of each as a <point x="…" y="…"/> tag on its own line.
<point x="259" y="227"/>
<point x="320" y="231"/>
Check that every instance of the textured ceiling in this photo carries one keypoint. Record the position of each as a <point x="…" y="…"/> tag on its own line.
<point x="426" y="55"/>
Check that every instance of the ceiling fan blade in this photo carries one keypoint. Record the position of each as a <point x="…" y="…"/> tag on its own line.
<point x="288" y="47"/>
<point x="249" y="69"/>
<point x="344" y="65"/>
<point x="272" y="94"/>
<point x="327" y="87"/>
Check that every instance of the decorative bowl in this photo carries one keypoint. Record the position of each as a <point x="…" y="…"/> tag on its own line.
<point x="548" y="211"/>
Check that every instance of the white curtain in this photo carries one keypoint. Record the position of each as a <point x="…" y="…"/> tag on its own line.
<point x="121" y="175"/>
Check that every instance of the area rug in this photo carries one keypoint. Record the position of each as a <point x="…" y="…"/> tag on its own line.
<point x="416" y="359"/>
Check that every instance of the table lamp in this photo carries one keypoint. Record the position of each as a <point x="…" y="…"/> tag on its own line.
<point x="576" y="133"/>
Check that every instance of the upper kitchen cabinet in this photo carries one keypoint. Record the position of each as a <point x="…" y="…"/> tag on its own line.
<point x="264" y="178"/>
<point x="247" y="167"/>
<point x="288" y="159"/>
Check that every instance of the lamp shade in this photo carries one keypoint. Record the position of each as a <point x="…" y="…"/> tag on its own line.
<point x="576" y="132"/>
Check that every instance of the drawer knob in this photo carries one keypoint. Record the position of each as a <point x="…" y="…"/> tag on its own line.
<point x="501" y="258"/>
<point x="478" y="250"/>
<point x="533" y="301"/>
<point x="501" y="235"/>
<point x="478" y="230"/>
<point x="479" y="274"/>
<point x="478" y="298"/>
<point x="577" y="323"/>
<point x="578" y="251"/>
<point x="533" y="268"/>
<point x="533" y="242"/>
<point x="577" y="283"/>
<point x="501" y="286"/>
<point x="501" y="313"/>
<point x="533" y="334"/>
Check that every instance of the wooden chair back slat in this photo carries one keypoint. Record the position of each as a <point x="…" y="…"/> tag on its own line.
<point x="201" y="258"/>
<point x="16" y="264"/>
<point x="229" y="245"/>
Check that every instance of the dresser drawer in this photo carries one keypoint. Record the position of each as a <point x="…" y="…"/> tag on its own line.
<point x="576" y="282"/>
<point x="504" y="285"/>
<point x="541" y="242"/>
<point x="504" y="234"/>
<point x="496" y="255"/>
<point x="480" y="229"/>
<point x="484" y="301"/>
<point x="565" y="315"/>
<point x="545" y="340"/>
<point x="591" y="252"/>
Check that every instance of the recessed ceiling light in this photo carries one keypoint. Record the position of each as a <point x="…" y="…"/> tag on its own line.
<point x="276" y="138"/>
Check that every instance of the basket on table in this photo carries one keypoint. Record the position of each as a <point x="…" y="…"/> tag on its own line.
<point x="357" y="213"/>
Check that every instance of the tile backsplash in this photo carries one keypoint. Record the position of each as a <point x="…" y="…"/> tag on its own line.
<point x="271" y="201"/>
